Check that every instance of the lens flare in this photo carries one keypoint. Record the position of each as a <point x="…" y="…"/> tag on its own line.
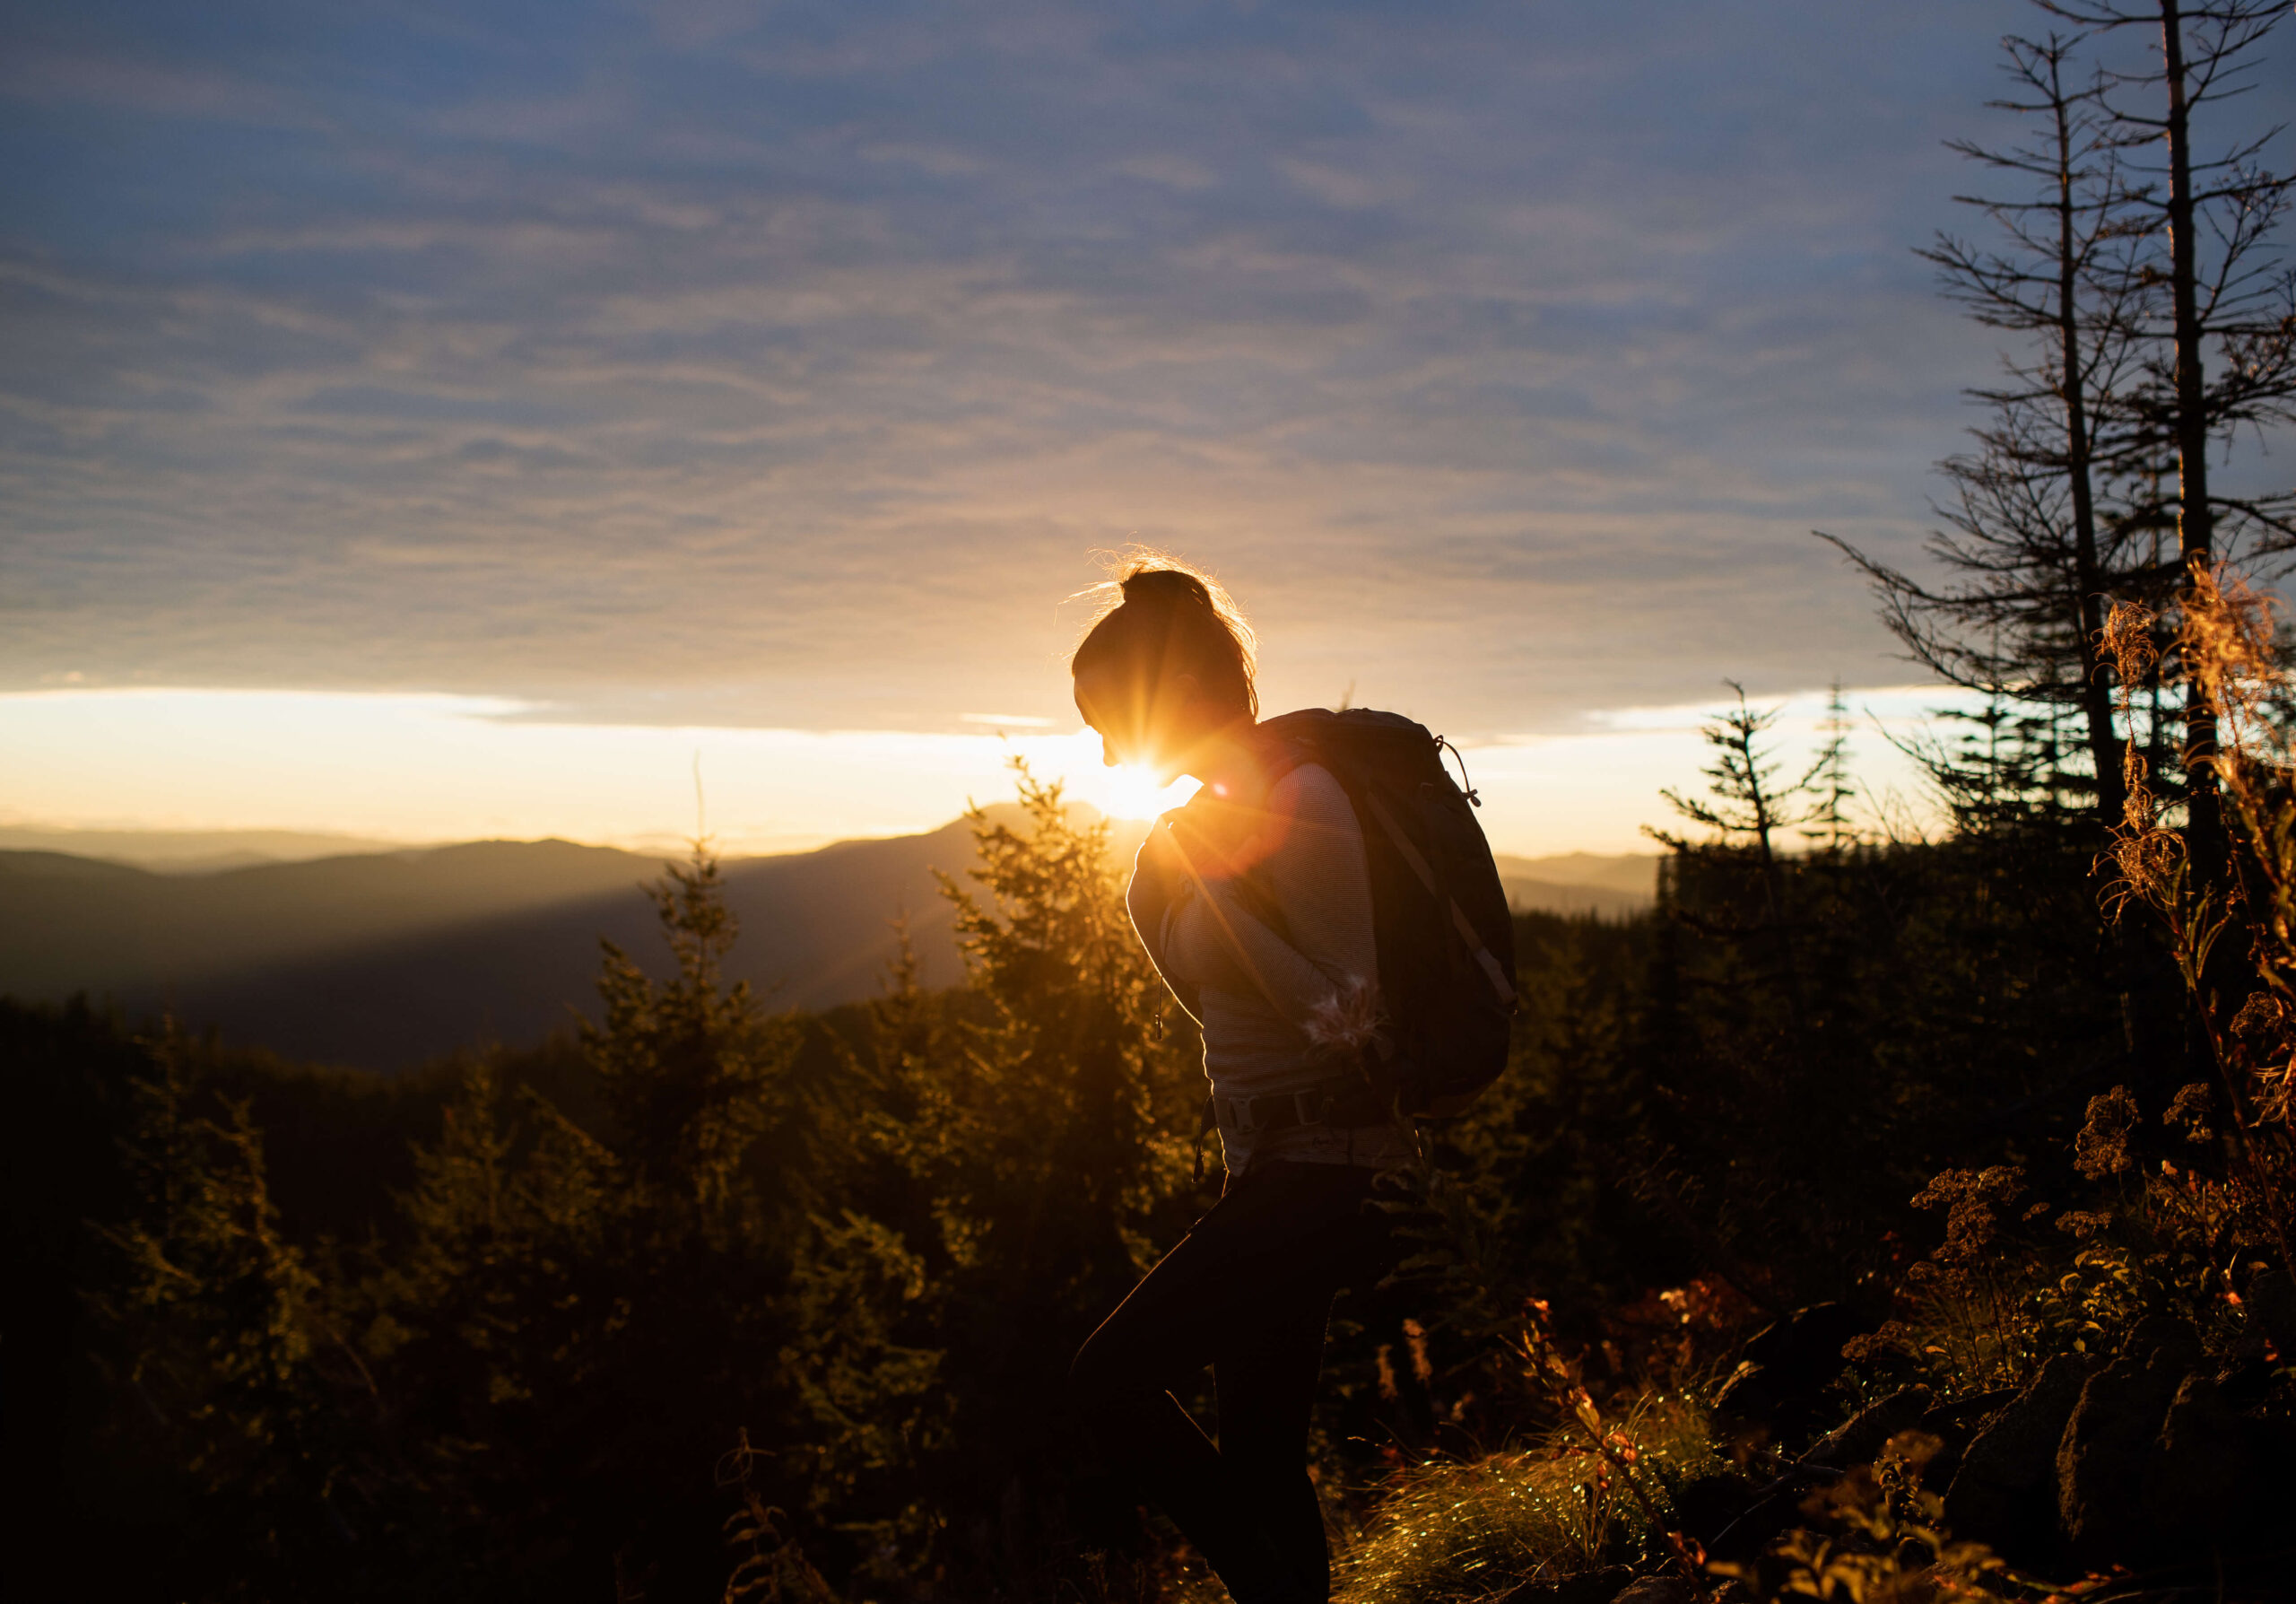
<point x="1131" y="792"/>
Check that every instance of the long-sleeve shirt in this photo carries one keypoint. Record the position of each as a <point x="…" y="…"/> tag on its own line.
<point x="1281" y="1011"/>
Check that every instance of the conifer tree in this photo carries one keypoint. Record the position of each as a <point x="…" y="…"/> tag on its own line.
<point x="871" y="1283"/>
<point x="1744" y="800"/>
<point x="1092" y="1105"/>
<point x="220" y="1311"/>
<point x="1074" y="1105"/>
<point x="1827" y="825"/>
<point x="694" y="1073"/>
<point x="889" y="1131"/>
<point x="588" y="1323"/>
<point x="498" y="1309"/>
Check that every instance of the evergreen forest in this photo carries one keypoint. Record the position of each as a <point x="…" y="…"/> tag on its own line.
<point x="1901" y="1210"/>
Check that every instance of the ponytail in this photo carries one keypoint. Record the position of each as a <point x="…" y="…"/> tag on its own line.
<point x="1167" y="619"/>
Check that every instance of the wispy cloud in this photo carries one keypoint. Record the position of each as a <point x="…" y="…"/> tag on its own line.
<point x="715" y="364"/>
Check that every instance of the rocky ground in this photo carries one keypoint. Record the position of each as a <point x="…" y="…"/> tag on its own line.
<point x="2164" y="1467"/>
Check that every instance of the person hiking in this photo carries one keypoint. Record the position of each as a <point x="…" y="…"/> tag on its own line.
<point x="1255" y="901"/>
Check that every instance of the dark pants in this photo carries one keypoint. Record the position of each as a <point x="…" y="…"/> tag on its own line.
<point x="1245" y="1292"/>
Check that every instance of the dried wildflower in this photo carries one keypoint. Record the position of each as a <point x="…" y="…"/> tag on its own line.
<point x="1422" y="1366"/>
<point x="2262" y="1023"/>
<point x="1970" y="1198"/>
<point x="2102" y="1148"/>
<point x="1350" y="1019"/>
<point x="2191" y="1112"/>
<point x="1889" y="1345"/>
<point x="2147" y="857"/>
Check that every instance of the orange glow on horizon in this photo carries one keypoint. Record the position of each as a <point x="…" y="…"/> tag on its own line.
<point x="429" y="768"/>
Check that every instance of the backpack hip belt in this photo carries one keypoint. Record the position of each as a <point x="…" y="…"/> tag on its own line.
<point x="1340" y="1104"/>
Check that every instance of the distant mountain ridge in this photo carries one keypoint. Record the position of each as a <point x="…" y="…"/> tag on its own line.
<point x="76" y="922"/>
<point x="1633" y="872"/>
<point x="1610" y="887"/>
<point x="193" y="852"/>
<point x="384" y="959"/>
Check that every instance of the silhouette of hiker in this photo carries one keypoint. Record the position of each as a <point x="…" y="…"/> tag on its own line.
<point x="1255" y="901"/>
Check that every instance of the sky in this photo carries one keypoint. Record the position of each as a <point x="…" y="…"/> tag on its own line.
<point x="430" y="767"/>
<point x="403" y="401"/>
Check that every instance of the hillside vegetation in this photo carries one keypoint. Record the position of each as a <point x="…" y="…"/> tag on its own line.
<point x="1757" y="1237"/>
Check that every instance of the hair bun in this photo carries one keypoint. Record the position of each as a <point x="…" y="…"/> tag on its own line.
<point x="1163" y="616"/>
<point x="1164" y="584"/>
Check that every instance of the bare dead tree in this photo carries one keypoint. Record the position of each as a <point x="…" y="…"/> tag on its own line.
<point x="2216" y="288"/>
<point x="2036" y="541"/>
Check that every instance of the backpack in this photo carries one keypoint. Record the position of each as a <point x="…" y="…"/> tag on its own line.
<point x="1445" y="934"/>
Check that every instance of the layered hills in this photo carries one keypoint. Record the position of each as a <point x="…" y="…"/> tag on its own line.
<point x="384" y="959"/>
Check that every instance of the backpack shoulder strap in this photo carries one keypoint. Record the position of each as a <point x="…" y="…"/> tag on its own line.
<point x="1500" y="986"/>
<point x="1289" y="741"/>
<point x="1314" y="735"/>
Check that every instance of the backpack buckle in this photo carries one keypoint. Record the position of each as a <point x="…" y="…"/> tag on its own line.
<point x="1238" y="1115"/>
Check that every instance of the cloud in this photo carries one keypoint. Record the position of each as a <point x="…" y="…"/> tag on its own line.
<point x="784" y="365"/>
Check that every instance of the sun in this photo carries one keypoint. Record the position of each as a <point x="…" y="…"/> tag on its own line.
<point x="1131" y="792"/>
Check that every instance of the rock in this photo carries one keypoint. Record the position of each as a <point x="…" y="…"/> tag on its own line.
<point x="2163" y="1333"/>
<point x="2102" y="1462"/>
<point x="2246" y="1383"/>
<point x="1788" y="1365"/>
<point x="1589" y="1587"/>
<point x="1708" y="1505"/>
<point x="1812" y="1333"/>
<point x="2200" y="1482"/>
<point x="1655" y="1589"/>
<point x="2271" y="1304"/>
<point x="1860" y="1438"/>
<point x="1953" y="1424"/>
<point x="2004" y="1492"/>
<point x="1803" y="1350"/>
<point x="1745" y="1395"/>
<point x="1773" y="1510"/>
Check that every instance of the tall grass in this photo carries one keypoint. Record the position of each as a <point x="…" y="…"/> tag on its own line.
<point x="1456" y="1532"/>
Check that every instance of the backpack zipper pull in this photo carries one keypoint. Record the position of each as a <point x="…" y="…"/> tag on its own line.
<point x="1467" y="786"/>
